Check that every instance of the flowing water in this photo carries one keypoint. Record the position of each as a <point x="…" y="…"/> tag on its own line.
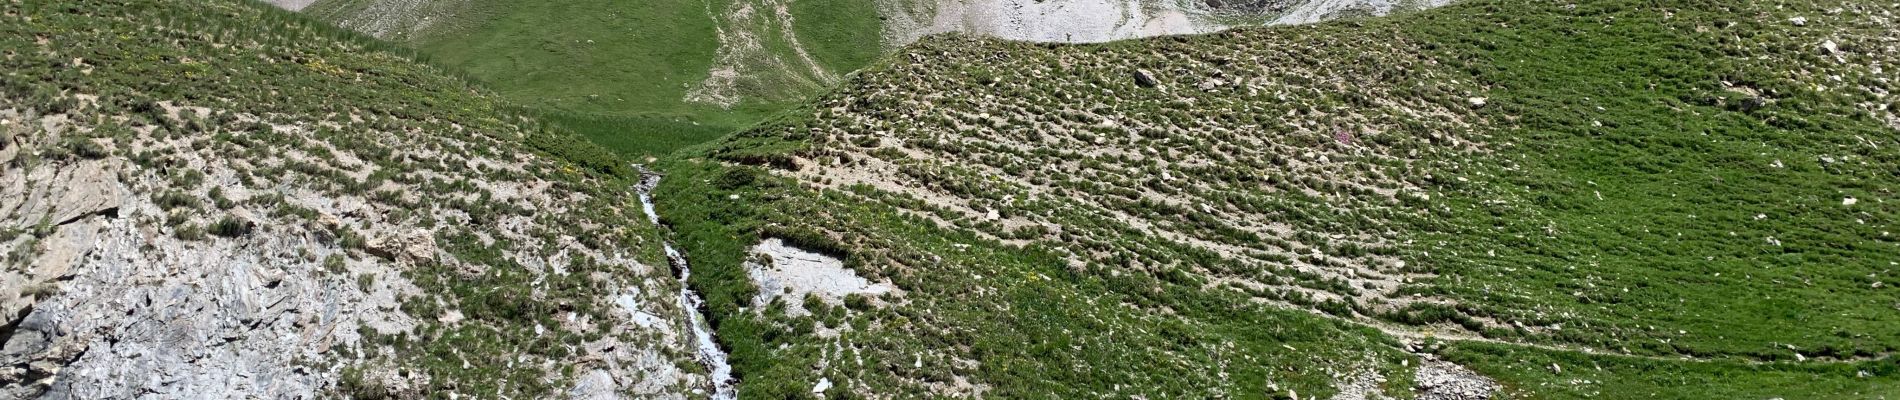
<point x="724" y="386"/>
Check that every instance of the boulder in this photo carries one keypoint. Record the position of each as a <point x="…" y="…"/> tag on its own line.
<point x="416" y="246"/>
<point x="1144" y="78"/>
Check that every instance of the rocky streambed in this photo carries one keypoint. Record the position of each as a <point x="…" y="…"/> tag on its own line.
<point x="706" y="348"/>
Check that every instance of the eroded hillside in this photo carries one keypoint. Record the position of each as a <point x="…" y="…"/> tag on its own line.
<point x="213" y="199"/>
<point x="1616" y="199"/>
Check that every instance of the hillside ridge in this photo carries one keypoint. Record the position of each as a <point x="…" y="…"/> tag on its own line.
<point x="1576" y="200"/>
<point x="691" y="71"/>
<point x="214" y="199"/>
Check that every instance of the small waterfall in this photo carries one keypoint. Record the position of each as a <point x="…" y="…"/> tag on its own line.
<point x="724" y="385"/>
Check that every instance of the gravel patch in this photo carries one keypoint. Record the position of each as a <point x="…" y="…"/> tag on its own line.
<point x="781" y="270"/>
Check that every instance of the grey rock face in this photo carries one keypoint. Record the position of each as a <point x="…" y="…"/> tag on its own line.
<point x="103" y="306"/>
<point x="107" y="292"/>
<point x="1145" y="78"/>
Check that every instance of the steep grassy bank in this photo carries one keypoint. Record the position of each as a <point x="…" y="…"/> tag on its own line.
<point x="1659" y="181"/>
<point x="983" y="318"/>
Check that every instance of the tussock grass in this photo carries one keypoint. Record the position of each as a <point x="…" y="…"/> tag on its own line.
<point x="1651" y="180"/>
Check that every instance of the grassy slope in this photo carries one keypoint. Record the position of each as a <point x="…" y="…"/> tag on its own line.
<point x="837" y="32"/>
<point x="586" y="56"/>
<point x="1580" y="376"/>
<point x="618" y="71"/>
<point x="1035" y="329"/>
<point x="1619" y="98"/>
<point x="405" y="119"/>
<point x="1673" y="260"/>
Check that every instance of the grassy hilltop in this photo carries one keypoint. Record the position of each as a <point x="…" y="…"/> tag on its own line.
<point x="1616" y="199"/>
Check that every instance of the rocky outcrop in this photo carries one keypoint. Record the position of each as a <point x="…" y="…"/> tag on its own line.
<point x="292" y="5"/>
<point x="1312" y="11"/>
<point x="1073" y="21"/>
<point x="52" y="217"/>
<point x="301" y="235"/>
<point x="1442" y="380"/>
<point x="104" y="298"/>
<point x="394" y="20"/>
<point x="1090" y="21"/>
<point x="789" y="274"/>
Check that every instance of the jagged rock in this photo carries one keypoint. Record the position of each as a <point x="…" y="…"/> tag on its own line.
<point x="33" y="356"/>
<point x="417" y="246"/>
<point x="115" y="281"/>
<point x="61" y="194"/>
<point x="1145" y="78"/>
<point x="54" y="258"/>
<point x="595" y="385"/>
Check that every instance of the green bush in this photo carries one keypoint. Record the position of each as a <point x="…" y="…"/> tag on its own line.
<point x="231" y="227"/>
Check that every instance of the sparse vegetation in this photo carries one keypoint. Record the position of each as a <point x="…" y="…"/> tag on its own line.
<point x="1609" y="199"/>
<point x="616" y="72"/>
<point x="293" y="147"/>
<point x="230" y="227"/>
<point x="1651" y="181"/>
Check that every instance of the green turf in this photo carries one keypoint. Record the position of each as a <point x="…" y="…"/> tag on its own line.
<point x="1643" y="211"/>
<point x="837" y="32"/>
<point x="1631" y="198"/>
<point x="1036" y="329"/>
<point x="625" y="63"/>
<point x="1540" y="374"/>
<point x="1626" y="199"/>
<point x="588" y="56"/>
<point x="635" y="137"/>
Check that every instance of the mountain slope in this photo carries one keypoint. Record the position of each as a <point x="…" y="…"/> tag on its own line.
<point x="689" y="71"/>
<point x="215" y="199"/>
<point x="629" y="66"/>
<point x="1624" y="199"/>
